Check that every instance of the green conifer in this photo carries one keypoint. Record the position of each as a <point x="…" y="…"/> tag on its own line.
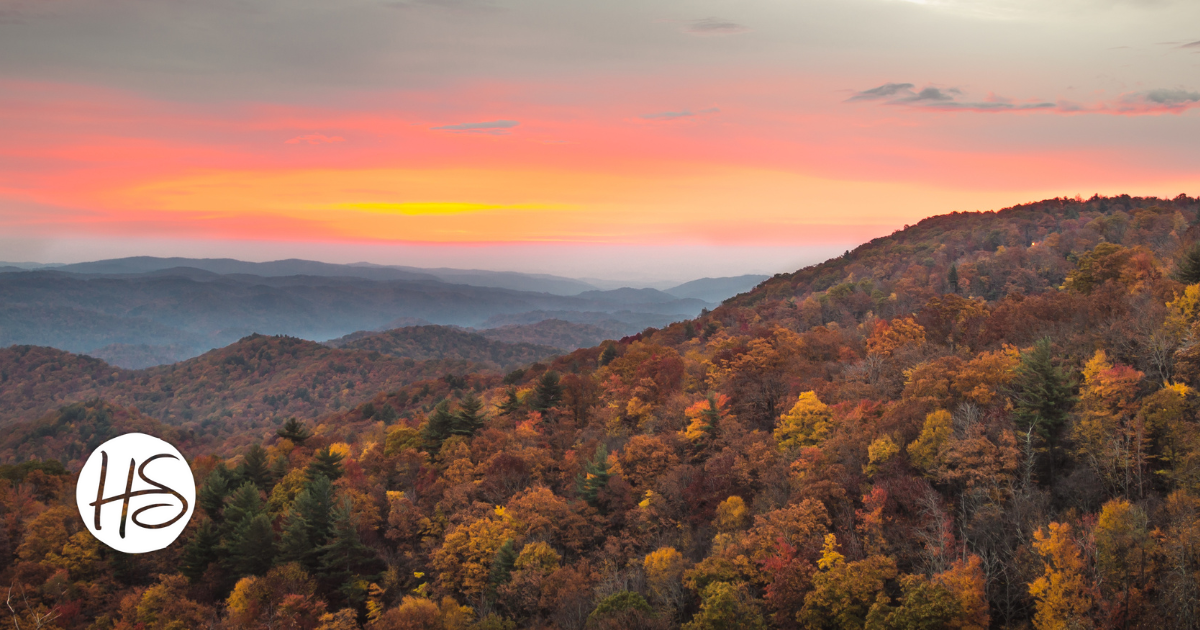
<point x="200" y="551"/>
<point x="211" y="497"/>
<point x="548" y="392"/>
<point x="294" y="430"/>
<point x="325" y="463"/>
<point x="1187" y="268"/>
<point x="469" y="418"/>
<point x="594" y="477"/>
<point x="254" y="468"/>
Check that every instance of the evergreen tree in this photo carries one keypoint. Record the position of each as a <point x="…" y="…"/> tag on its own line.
<point x="325" y="463"/>
<point x="1187" y="268"/>
<point x="952" y="278"/>
<point x="201" y="551"/>
<point x="594" y="477"/>
<point x="279" y="468"/>
<point x="243" y="505"/>
<point x="502" y="564"/>
<point x="468" y="420"/>
<point x="313" y="506"/>
<point x="439" y="426"/>
<point x="511" y="403"/>
<point x="251" y="546"/>
<point x="346" y="564"/>
<point x="548" y="392"/>
<point x="211" y="497"/>
<point x="386" y="414"/>
<point x="610" y="353"/>
<point x="248" y="543"/>
<point x="254" y="468"/>
<point x="294" y="545"/>
<point x="1043" y="395"/>
<point x="294" y="430"/>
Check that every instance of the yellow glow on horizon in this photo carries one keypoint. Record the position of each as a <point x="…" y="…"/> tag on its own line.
<point x="440" y="207"/>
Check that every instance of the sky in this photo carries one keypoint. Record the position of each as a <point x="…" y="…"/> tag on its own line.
<point x="638" y="139"/>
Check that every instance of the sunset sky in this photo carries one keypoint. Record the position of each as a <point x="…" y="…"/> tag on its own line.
<point x="644" y="139"/>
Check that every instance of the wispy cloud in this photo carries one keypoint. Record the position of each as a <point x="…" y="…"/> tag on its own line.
<point x="714" y="26"/>
<point x="1160" y="101"/>
<point x="1195" y="44"/>
<point x="494" y="127"/>
<point x="886" y="90"/>
<point x="316" y="138"/>
<point x="686" y="113"/>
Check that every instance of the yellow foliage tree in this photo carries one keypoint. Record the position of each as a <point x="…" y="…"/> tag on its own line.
<point x="664" y="568"/>
<point x="537" y="556"/>
<point x="879" y="452"/>
<point x="806" y="424"/>
<point x="925" y="452"/>
<point x="1063" y="596"/>
<point x="1110" y="436"/>
<point x="464" y="559"/>
<point x="732" y="515"/>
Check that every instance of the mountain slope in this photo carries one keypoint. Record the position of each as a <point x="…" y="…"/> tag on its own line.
<point x="925" y="432"/>
<point x="424" y="343"/>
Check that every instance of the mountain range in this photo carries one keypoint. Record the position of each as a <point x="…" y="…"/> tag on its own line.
<point x="138" y="312"/>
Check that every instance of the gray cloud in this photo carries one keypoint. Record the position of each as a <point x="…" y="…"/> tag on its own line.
<point x="932" y="98"/>
<point x="884" y="91"/>
<point x="493" y="126"/>
<point x="1158" y="101"/>
<point x="1195" y="44"/>
<point x="714" y="26"/>
<point x="686" y="113"/>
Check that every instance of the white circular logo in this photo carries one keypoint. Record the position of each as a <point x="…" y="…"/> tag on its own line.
<point x="136" y="493"/>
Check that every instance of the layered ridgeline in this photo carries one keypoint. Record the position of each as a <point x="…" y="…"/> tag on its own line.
<point x="986" y="419"/>
<point x="238" y="393"/>
<point x="141" y="312"/>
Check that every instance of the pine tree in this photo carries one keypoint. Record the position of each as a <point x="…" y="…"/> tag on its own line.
<point x="386" y="414"/>
<point x="254" y="468"/>
<point x="1187" y="268"/>
<point x="294" y="545"/>
<point x="243" y="505"/>
<point x="952" y="278"/>
<point x="439" y="426"/>
<point x="279" y="468"/>
<point x="346" y="558"/>
<point x="502" y="564"/>
<point x="201" y="551"/>
<point x="511" y="404"/>
<point x="251" y="546"/>
<point x="548" y="392"/>
<point x="248" y="541"/>
<point x="610" y="353"/>
<point x="211" y="497"/>
<point x="294" y="430"/>
<point x="468" y="420"/>
<point x="325" y="463"/>
<point x="313" y="506"/>
<point x="594" y="477"/>
<point x="1043" y="395"/>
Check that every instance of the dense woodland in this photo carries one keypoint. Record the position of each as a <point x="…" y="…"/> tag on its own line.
<point x="984" y="420"/>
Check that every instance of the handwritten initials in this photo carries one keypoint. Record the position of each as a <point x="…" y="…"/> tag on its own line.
<point x="129" y="493"/>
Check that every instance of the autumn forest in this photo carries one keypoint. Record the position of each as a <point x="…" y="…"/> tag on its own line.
<point x="987" y="419"/>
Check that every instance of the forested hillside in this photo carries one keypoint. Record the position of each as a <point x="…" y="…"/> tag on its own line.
<point x="235" y="393"/>
<point x="424" y="343"/>
<point x="984" y="420"/>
